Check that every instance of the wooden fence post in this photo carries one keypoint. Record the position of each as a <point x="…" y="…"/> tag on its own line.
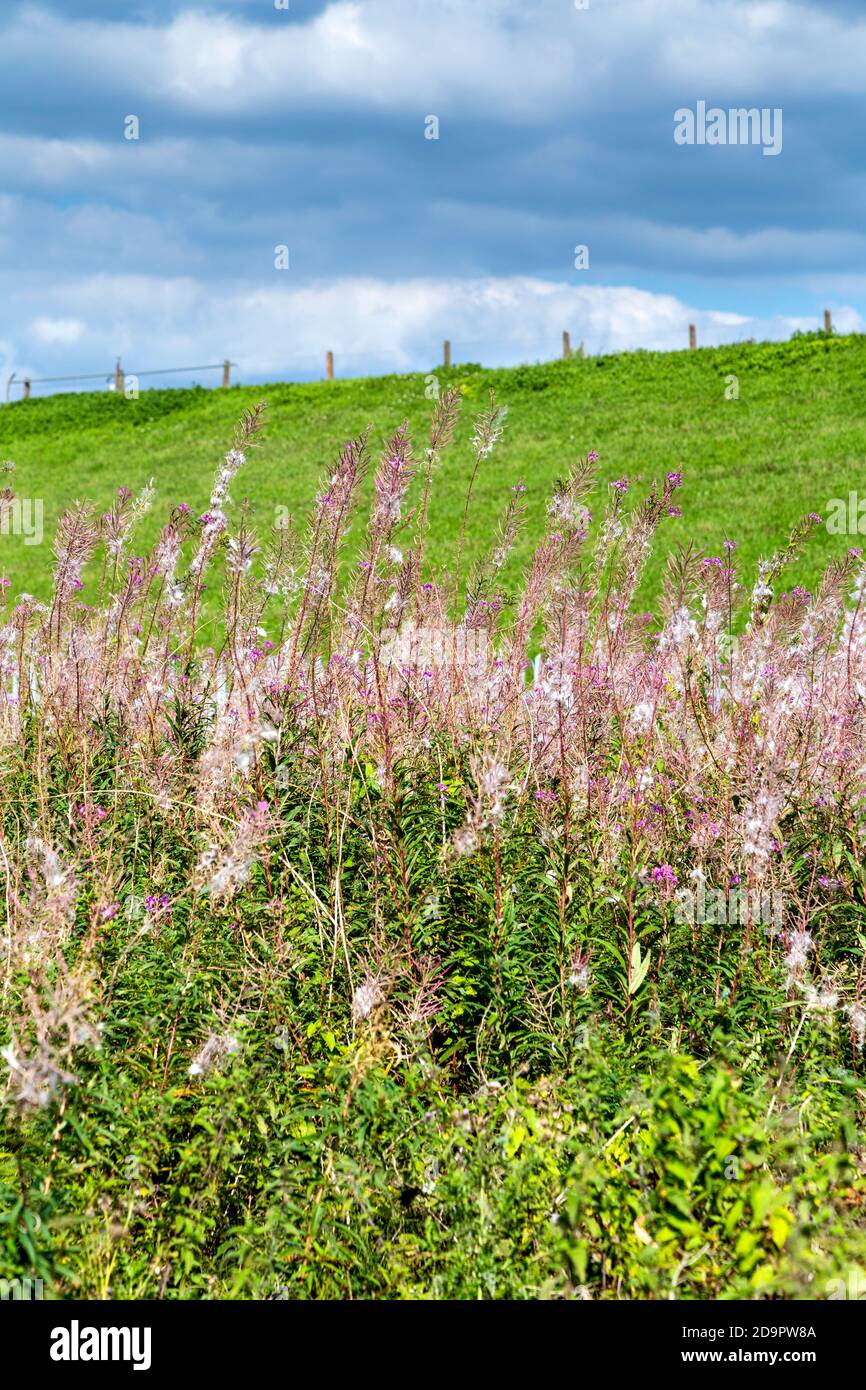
<point x="27" y="388"/>
<point x="329" y="367"/>
<point x="118" y="377"/>
<point x="828" y="322"/>
<point x="446" y="352"/>
<point x="227" y="368"/>
<point x="693" y="336"/>
<point x="566" y="344"/>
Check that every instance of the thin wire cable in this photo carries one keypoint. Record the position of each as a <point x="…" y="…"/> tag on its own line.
<point x="106" y="376"/>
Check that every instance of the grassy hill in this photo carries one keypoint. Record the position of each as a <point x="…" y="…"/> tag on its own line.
<point x="794" y="438"/>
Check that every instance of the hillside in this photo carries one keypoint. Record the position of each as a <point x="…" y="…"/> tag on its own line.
<point x="794" y="438"/>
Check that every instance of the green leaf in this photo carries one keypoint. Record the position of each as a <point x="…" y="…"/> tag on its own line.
<point x="514" y="1140"/>
<point x="780" y="1228"/>
<point x="637" y="969"/>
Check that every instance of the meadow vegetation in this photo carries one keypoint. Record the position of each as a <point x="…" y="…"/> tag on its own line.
<point x="377" y="925"/>
<point x="793" y="438"/>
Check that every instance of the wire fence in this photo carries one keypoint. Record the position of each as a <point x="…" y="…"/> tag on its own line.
<point x="308" y="364"/>
<point x="118" y="380"/>
<point x="126" y="383"/>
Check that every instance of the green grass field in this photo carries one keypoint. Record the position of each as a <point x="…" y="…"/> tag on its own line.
<point x="794" y="438"/>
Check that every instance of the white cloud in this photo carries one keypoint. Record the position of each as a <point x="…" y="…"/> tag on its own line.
<point x="51" y="332"/>
<point x="518" y="61"/>
<point x="257" y="131"/>
<point x="57" y="164"/>
<point x="371" y="325"/>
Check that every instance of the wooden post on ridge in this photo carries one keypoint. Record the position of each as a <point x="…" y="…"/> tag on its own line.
<point x="566" y="344"/>
<point x="693" y="337"/>
<point x="329" y="367"/>
<point x="446" y="353"/>
<point x="828" y="322"/>
<point x="118" y="377"/>
<point x="227" y="370"/>
<point x="27" y="388"/>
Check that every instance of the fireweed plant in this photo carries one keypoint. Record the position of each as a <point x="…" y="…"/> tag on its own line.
<point x="403" y="937"/>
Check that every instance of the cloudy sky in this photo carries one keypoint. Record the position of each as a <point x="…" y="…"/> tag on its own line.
<point x="262" y="127"/>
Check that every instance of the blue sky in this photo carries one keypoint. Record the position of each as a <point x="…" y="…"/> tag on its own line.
<point x="261" y="127"/>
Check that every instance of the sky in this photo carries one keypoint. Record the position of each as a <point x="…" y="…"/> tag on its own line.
<point x="308" y="128"/>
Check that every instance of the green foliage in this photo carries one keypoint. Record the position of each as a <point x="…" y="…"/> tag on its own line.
<point x="518" y="1143"/>
<point x="384" y="992"/>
